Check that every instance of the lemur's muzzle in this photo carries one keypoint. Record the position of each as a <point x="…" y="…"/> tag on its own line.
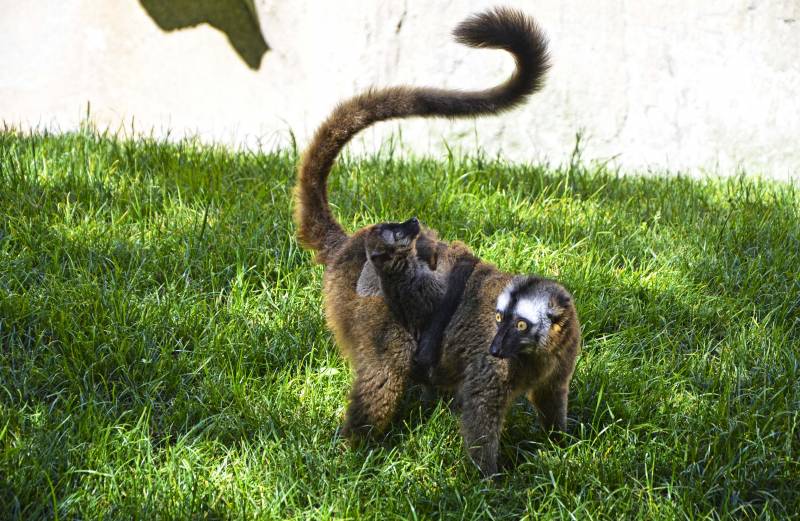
<point x="410" y="228"/>
<point x="496" y="347"/>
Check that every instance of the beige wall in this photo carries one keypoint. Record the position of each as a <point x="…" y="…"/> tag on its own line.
<point x="680" y="84"/>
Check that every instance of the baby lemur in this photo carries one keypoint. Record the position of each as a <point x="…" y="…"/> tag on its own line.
<point x="420" y="297"/>
<point x="409" y="281"/>
<point x="500" y="336"/>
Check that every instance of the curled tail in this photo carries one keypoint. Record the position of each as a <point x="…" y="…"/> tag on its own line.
<point x="499" y="28"/>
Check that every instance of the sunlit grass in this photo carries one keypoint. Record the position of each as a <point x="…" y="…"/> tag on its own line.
<point x="164" y="353"/>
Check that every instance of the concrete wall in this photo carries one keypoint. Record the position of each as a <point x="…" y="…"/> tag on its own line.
<point x="711" y="86"/>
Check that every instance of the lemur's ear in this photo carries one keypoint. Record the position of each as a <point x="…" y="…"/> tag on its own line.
<point x="433" y="259"/>
<point x="557" y="305"/>
<point x="428" y="251"/>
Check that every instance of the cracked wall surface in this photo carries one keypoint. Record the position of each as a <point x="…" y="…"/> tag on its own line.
<point x="681" y="85"/>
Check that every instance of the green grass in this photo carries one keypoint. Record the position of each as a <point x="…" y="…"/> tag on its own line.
<point x="164" y="354"/>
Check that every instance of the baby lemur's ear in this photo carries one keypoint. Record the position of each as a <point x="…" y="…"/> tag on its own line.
<point x="428" y="251"/>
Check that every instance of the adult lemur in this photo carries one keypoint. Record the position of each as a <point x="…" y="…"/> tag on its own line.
<point x="507" y="336"/>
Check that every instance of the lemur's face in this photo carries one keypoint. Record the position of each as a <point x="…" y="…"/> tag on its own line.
<point x="527" y="310"/>
<point x="389" y="239"/>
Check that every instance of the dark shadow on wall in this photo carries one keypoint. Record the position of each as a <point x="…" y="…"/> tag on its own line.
<point x="236" y="18"/>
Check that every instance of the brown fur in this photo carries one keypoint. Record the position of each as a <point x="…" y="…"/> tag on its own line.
<point x="377" y="345"/>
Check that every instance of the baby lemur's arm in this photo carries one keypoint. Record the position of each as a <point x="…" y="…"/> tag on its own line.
<point x="429" y="348"/>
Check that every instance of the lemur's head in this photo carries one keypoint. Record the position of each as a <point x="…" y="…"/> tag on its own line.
<point x="528" y="312"/>
<point x="387" y="241"/>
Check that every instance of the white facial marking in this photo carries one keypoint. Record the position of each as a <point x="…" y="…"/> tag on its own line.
<point x="503" y="299"/>
<point x="387" y="236"/>
<point x="532" y="310"/>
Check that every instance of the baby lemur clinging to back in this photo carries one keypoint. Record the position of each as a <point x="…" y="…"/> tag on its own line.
<point x="409" y="281"/>
<point x="501" y="335"/>
<point x="421" y="293"/>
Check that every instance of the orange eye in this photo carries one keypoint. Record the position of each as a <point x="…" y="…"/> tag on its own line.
<point x="498" y="317"/>
<point x="522" y="325"/>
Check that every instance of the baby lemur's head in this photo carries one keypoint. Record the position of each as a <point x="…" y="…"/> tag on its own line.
<point x="530" y="314"/>
<point x="387" y="243"/>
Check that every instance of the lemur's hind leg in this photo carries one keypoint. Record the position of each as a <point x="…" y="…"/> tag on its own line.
<point x="381" y="379"/>
<point x="373" y="402"/>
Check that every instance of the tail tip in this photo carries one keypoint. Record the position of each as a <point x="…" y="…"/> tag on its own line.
<point x="501" y="28"/>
